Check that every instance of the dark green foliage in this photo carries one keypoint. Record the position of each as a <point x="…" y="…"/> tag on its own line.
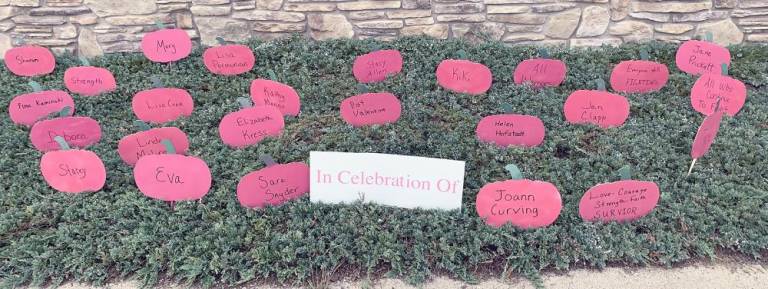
<point x="47" y="236"/>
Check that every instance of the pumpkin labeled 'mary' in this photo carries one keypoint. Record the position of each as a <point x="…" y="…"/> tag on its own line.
<point x="27" y="109"/>
<point x="540" y="72"/>
<point x="464" y="76"/>
<point x="72" y="171"/>
<point x="377" y="66"/>
<point x="29" y="60"/>
<point x="230" y="59"/>
<point x="624" y="200"/>
<point x="272" y="93"/>
<point x="172" y="177"/>
<point x="597" y="107"/>
<point x="273" y="185"/>
<point x="699" y="57"/>
<point x="166" y="45"/>
<point x="149" y="142"/>
<point x="511" y="129"/>
<point x="250" y="125"/>
<point x="77" y="131"/>
<point x="89" y="80"/>
<point x="162" y="104"/>
<point x="370" y="108"/>
<point x="521" y="202"/>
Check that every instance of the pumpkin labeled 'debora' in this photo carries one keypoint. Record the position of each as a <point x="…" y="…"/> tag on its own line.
<point x="71" y="170"/>
<point x="172" y="177"/>
<point x="273" y="185"/>
<point x="27" y="109"/>
<point x="77" y="131"/>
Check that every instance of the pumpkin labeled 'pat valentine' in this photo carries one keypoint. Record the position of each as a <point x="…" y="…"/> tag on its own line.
<point x="699" y="57"/>
<point x="73" y="171"/>
<point x="276" y="94"/>
<point x="711" y="90"/>
<point x="464" y="76"/>
<point x="29" y="60"/>
<point x="166" y="45"/>
<point x="229" y="59"/>
<point x="172" y="177"/>
<point x="149" y="142"/>
<point x="89" y="80"/>
<point x="77" y="131"/>
<point x="273" y="185"/>
<point x="639" y="76"/>
<point x="159" y="105"/>
<point x="250" y="125"/>
<point x="511" y="129"/>
<point x="619" y="201"/>
<point x="597" y="107"/>
<point x="377" y="66"/>
<point x="27" y="109"/>
<point x="370" y="108"/>
<point x="540" y="72"/>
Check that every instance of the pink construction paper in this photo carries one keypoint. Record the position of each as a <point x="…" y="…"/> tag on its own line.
<point x="77" y="131"/>
<point x="279" y="95"/>
<point x="511" y="129"/>
<point x="699" y="57"/>
<point x="706" y="134"/>
<point x="73" y="171"/>
<point x="159" y="105"/>
<point x="523" y="203"/>
<point x="711" y="87"/>
<point x="370" y="108"/>
<point x="166" y="45"/>
<point x="229" y="59"/>
<point x="619" y="201"/>
<point x="274" y="185"/>
<point x="251" y="125"/>
<point x="89" y="80"/>
<point x="135" y="146"/>
<point x="464" y="76"/>
<point x="172" y="177"/>
<point x="27" y="109"/>
<point x="596" y="107"/>
<point x="540" y="72"/>
<point x="639" y="76"/>
<point x="30" y="60"/>
<point x="377" y="66"/>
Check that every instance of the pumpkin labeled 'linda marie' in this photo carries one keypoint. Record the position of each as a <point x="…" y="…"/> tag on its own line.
<point x="73" y="171"/>
<point x="511" y="129"/>
<point x="77" y="131"/>
<point x="377" y="66"/>
<point x="89" y="80"/>
<point x="30" y="60"/>
<point x="699" y="57"/>
<point x="523" y="203"/>
<point x="639" y="76"/>
<point x="250" y="125"/>
<point x="620" y="201"/>
<point x="276" y="94"/>
<point x="135" y="146"/>
<point x="273" y="185"/>
<point x="706" y="134"/>
<point x="229" y="59"/>
<point x="711" y="89"/>
<point x="159" y="105"/>
<point x="596" y="107"/>
<point x="370" y="108"/>
<point x="464" y="76"/>
<point x="27" y="109"/>
<point x="540" y="72"/>
<point x="172" y="177"/>
<point x="166" y="45"/>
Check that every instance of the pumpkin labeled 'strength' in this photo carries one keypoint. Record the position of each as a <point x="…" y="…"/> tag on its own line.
<point x="250" y="125"/>
<point x="540" y="72"/>
<point x="370" y="108"/>
<point x="639" y="76"/>
<point x="149" y="142"/>
<point x="276" y="94"/>
<point x="89" y="80"/>
<point x="77" y="131"/>
<point x="620" y="201"/>
<point x="597" y="107"/>
<point x="73" y="171"/>
<point x="713" y="89"/>
<point x="511" y="129"/>
<point x="229" y="59"/>
<point x="699" y="57"/>
<point x="166" y="45"/>
<point x="30" y="60"/>
<point x="273" y="185"/>
<point x="172" y="177"/>
<point x="377" y="66"/>
<point x="464" y="76"/>
<point x="27" y="109"/>
<point x="159" y="105"/>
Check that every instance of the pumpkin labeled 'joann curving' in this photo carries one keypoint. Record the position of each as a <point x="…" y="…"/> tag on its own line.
<point x="73" y="171"/>
<point x="377" y="66"/>
<point x="464" y="76"/>
<point x="273" y="185"/>
<point x="89" y="80"/>
<point x="77" y="131"/>
<point x="279" y="95"/>
<point x="30" y="60"/>
<point x="172" y="177"/>
<point x="370" y="108"/>
<point x="27" y="109"/>
<point x="166" y="45"/>
<point x="540" y="72"/>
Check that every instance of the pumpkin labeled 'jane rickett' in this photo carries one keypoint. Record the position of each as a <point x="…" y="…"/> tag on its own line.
<point x="172" y="177"/>
<point x="72" y="171"/>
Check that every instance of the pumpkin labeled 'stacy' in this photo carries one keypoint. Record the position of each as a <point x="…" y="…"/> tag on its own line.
<point x="172" y="177"/>
<point x="149" y="142"/>
<point x="377" y="66"/>
<point x="273" y="185"/>
<point x="276" y="94"/>
<point x="166" y="45"/>
<point x="27" y="109"/>
<point x="30" y="60"/>
<point x="72" y="171"/>
<point x="77" y="131"/>
<point x="250" y="125"/>
<point x="464" y="76"/>
<point x="89" y="80"/>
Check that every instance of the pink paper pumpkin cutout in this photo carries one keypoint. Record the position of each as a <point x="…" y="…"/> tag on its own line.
<point x="540" y="72"/>
<point x="464" y="76"/>
<point x="89" y="80"/>
<point x="73" y="171"/>
<point x="511" y="129"/>
<point x="523" y="203"/>
<point x="229" y="59"/>
<point x="251" y="125"/>
<point x="639" y="76"/>
<point x="166" y="45"/>
<point x="172" y="177"/>
<point x="706" y="134"/>
<point x="596" y="107"/>
<point x="710" y="87"/>
<point x="135" y="146"/>
<point x="279" y="95"/>
<point x="370" y="108"/>
<point x="159" y="105"/>
<point x="619" y="201"/>
<point x="30" y="60"/>
<point x="699" y="57"/>
<point x="273" y="185"/>
<point x="377" y="66"/>
<point x="27" y="109"/>
<point x="77" y="131"/>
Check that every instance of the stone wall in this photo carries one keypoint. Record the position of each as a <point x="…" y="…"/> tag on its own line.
<point x="101" y="26"/>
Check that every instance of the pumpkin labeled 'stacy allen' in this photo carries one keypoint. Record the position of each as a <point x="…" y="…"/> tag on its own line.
<point x="521" y="202"/>
<point x="228" y="59"/>
<point x="71" y="170"/>
<point x="29" y="60"/>
<point x="148" y="141"/>
<point x="272" y="93"/>
<point x="27" y="109"/>
<point x="377" y="65"/>
<point x="620" y="201"/>
<point x="250" y="125"/>
<point x="77" y="131"/>
<point x="162" y="104"/>
<point x="464" y="76"/>
<point x="597" y="107"/>
<point x="172" y="177"/>
<point x="273" y="185"/>
<point x="166" y="45"/>
<point x="89" y="80"/>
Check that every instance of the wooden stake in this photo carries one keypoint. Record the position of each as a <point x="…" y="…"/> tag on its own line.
<point x="691" y="168"/>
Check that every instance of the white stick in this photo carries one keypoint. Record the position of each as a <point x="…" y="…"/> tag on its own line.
<point x="691" y="168"/>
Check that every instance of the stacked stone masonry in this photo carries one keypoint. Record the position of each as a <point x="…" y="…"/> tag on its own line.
<point x="94" y="27"/>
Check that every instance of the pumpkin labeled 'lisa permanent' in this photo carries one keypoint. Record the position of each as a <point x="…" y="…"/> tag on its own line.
<point x="713" y="89"/>
<point x="540" y="72"/>
<point x="699" y="57"/>
<point x="89" y="80"/>
<point x="73" y="171"/>
<point x="250" y="125"/>
<point x="27" y="109"/>
<point x="172" y="177"/>
<point x="377" y="66"/>
<point x="166" y="45"/>
<point x="620" y="201"/>
<point x="229" y="59"/>
<point x="597" y="107"/>
<point x="639" y="76"/>
<point x="276" y="94"/>
<point x="273" y="185"/>
<point x="159" y="105"/>
<point x="370" y="108"/>
<point x="29" y="60"/>
<point x="511" y="129"/>
<point x="464" y="76"/>
<point x="77" y="131"/>
<point x="149" y="142"/>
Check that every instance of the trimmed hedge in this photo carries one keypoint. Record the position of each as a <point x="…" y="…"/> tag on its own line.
<point x="47" y="236"/>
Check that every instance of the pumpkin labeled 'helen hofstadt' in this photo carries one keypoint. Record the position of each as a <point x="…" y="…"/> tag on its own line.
<point x="273" y="93"/>
<point x="159" y="105"/>
<point x="273" y="185"/>
<point x="29" y="60"/>
<point x="166" y="45"/>
<point x="540" y="72"/>
<point x="77" y="131"/>
<point x="29" y="108"/>
<point x="89" y="80"/>
<point x="511" y="129"/>
<point x="464" y="76"/>
<point x="229" y="59"/>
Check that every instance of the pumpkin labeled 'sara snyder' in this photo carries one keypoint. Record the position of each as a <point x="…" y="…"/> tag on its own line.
<point x="172" y="177"/>
<point x="72" y="171"/>
<point x="166" y="45"/>
<point x="273" y="185"/>
<point x="464" y="76"/>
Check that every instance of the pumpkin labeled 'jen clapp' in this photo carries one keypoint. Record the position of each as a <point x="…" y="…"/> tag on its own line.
<point x="71" y="170"/>
<point x="597" y="107"/>
<point x="172" y="177"/>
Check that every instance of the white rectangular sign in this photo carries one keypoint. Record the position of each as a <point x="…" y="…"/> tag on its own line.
<point x="395" y="180"/>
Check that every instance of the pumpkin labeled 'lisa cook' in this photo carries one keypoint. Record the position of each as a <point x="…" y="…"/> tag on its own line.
<point x="27" y="109"/>
<point x="30" y="60"/>
<point x="73" y="171"/>
<point x="279" y="95"/>
<point x="89" y="80"/>
<point x="273" y="185"/>
<point x="596" y="107"/>
<point x="540" y="72"/>
<point x="464" y="76"/>
<point x="166" y="45"/>
<point x="135" y="146"/>
<point x="620" y="201"/>
<point x="511" y="129"/>
<point x="229" y="59"/>
<point x="377" y="66"/>
<point x="523" y="203"/>
<point x="77" y="131"/>
<point x="370" y="108"/>
<point x="250" y="125"/>
<point x="172" y="177"/>
<point x="159" y="105"/>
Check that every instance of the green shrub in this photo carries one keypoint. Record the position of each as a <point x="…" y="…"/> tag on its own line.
<point x="47" y="236"/>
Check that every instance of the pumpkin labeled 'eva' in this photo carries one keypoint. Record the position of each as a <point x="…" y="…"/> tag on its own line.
<point x="172" y="177"/>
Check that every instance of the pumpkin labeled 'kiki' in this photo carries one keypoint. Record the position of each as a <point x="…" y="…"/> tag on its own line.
<point x="273" y="185"/>
<point x="166" y="45"/>
<point x="30" y="60"/>
<point x="172" y="177"/>
<point x="149" y="142"/>
<point x="72" y="171"/>
<point x="77" y="131"/>
<point x="464" y="76"/>
<point x="89" y="80"/>
<point x="597" y="107"/>
<point x="276" y="94"/>
<point x="27" y="109"/>
<point x="250" y="125"/>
